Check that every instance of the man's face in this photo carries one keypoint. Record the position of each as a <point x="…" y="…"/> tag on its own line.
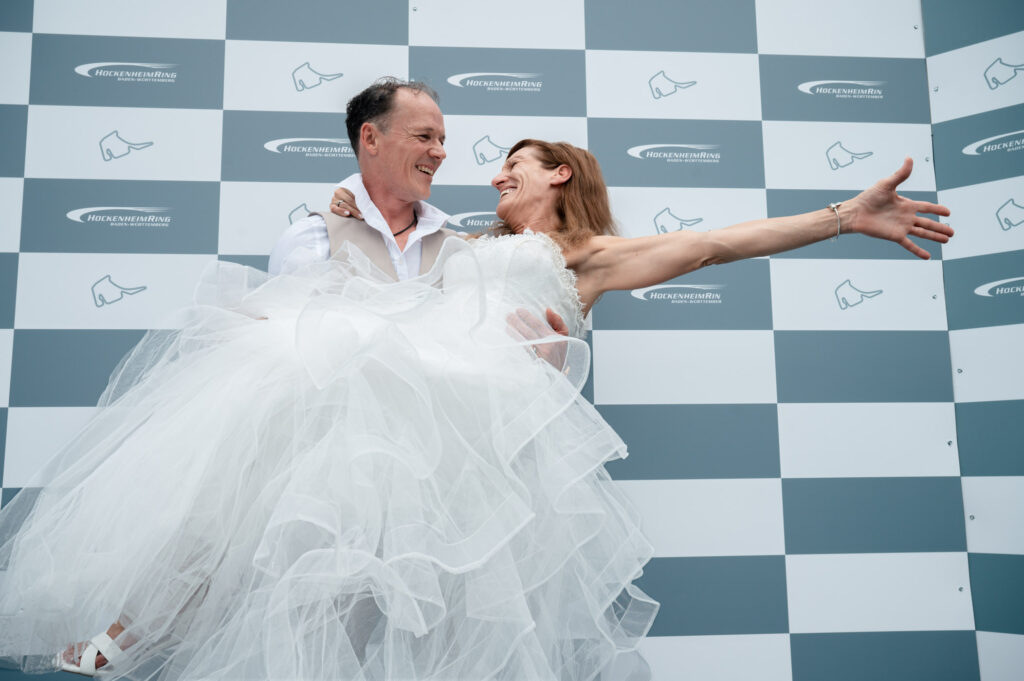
<point x="411" y="150"/>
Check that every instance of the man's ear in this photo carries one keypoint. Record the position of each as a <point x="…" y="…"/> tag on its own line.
<point x="561" y="174"/>
<point x="369" y="138"/>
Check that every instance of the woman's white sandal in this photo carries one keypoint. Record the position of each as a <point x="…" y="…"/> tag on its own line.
<point x="100" y="644"/>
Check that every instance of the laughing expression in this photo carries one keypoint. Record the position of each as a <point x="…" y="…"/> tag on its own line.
<point x="412" y="149"/>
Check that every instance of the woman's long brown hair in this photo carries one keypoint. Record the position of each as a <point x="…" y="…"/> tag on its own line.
<point x="582" y="205"/>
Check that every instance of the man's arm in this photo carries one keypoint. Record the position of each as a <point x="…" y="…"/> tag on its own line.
<point x="303" y="243"/>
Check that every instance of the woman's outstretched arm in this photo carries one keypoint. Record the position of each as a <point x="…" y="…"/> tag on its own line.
<point x="614" y="263"/>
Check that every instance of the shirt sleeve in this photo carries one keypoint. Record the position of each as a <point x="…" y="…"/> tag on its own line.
<point x="303" y="243"/>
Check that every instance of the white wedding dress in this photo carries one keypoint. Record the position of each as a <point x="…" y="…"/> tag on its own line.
<point x="328" y="475"/>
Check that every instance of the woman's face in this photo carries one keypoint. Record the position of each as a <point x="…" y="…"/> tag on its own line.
<point x="527" y="190"/>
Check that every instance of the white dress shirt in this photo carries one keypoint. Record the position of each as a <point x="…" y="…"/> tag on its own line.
<point x="306" y="242"/>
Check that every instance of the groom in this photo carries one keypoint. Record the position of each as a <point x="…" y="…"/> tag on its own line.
<point x="397" y="132"/>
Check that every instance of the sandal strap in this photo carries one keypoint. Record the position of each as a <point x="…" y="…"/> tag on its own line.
<point x="105" y="645"/>
<point x="87" y="660"/>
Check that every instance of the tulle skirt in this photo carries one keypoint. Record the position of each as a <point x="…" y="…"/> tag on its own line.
<point x="323" y="476"/>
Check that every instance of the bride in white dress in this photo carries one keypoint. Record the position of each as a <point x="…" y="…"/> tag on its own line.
<point x="329" y="475"/>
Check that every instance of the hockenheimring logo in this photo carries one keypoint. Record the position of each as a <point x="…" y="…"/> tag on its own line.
<point x="499" y="82"/>
<point x="311" y="147"/>
<point x="680" y="293"/>
<point x="473" y="220"/>
<point x="1003" y="287"/>
<point x="122" y="216"/>
<point x="677" y="153"/>
<point x="844" y="89"/>
<point x="1009" y="141"/>
<point x="129" y="72"/>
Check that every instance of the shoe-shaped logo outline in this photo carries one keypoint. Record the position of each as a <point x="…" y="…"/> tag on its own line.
<point x="112" y="143"/>
<point x="995" y="72"/>
<point x="659" y="85"/>
<point x="300" y="211"/>
<point x="846" y="292"/>
<point x="304" y="74"/>
<point x="666" y="218"/>
<point x="486" y="151"/>
<point x="105" y="291"/>
<point x="835" y="161"/>
<point x="1003" y="214"/>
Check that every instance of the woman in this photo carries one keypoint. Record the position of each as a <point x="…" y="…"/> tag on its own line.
<point x="329" y="475"/>
<point x="531" y="196"/>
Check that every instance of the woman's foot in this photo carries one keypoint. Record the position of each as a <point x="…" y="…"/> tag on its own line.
<point x="88" y="657"/>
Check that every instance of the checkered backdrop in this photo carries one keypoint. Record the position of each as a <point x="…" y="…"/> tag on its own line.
<point x="825" y="445"/>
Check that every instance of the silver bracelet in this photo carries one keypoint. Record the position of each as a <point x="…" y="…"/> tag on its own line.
<point x="835" y="207"/>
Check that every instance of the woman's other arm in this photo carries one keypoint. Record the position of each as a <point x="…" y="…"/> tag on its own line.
<point x="614" y="263"/>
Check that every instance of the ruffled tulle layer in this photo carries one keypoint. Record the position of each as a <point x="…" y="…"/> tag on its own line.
<point x="320" y="476"/>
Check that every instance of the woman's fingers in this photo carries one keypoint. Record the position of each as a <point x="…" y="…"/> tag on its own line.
<point x="915" y="249"/>
<point x="935" y="227"/>
<point x="932" y="208"/>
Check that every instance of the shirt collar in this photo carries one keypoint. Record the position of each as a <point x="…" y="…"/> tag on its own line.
<point x="431" y="219"/>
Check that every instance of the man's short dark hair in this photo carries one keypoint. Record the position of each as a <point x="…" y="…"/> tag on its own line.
<point x="374" y="105"/>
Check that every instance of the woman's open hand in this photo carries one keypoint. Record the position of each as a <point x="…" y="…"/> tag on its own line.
<point x="882" y="213"/>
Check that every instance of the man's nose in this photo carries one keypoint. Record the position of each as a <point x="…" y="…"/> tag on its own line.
<point x="438" y="152"/>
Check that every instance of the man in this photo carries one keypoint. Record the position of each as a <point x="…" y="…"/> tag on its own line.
<point x="397" y="132"/>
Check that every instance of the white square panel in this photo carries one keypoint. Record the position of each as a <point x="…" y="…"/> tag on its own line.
<point x="16" y="56"/>
<point x="994" y="508"/>
<point x="153" y="18"/>
<point x="123" y="143"/>
<point x="878" y="592"/>
<point x="281" y="76"/>
<point x="641" y="211"/>
<point x="980" y="77"/>
<point x="817" y="155"/>
<point x="987" y="218"/>
<point x="1000" y="656"/>
<point x="867" y="295"/>
<point x="986" y="363"/>
<point x="710" y="517"/>
<point x="684" y="367"/>
<point x="11" y="189"/>
<point x="477" y="145"/>
<point x="692" y="85"/>
<point x="863" y="440"/>
<point x="34" y="436"/>
<point x="764" y="657"/>
<point x="867" y="28"/>
<point x="104" y="291"/>
<point x="253" y="215"/>
<point x="471" y="23"/>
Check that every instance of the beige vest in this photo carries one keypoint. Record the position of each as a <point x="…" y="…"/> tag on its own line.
<point x="369" y="241"/>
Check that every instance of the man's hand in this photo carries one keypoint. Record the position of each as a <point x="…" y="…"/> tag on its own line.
<point x="530" y="328"/>
<point x="882" y="213"/>
<point x="343" y="203"/>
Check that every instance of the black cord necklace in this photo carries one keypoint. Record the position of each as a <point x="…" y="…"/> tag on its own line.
<point x="415" y="219"/>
